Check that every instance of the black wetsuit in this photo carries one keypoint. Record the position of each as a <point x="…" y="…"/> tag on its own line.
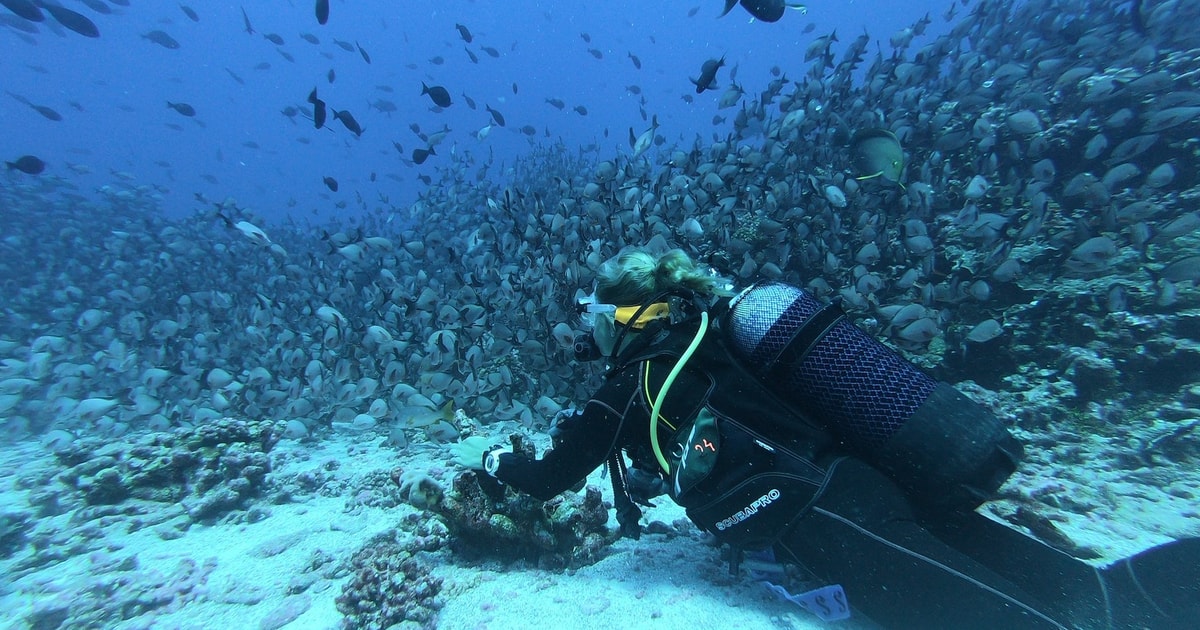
<point x="843" y="520"/>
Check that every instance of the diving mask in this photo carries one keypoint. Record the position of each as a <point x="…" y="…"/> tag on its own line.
<point x="603" y="319"/>
<point x="635" y="317"/>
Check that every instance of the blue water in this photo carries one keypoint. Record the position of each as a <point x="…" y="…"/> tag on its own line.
<point x="112" y="91"/>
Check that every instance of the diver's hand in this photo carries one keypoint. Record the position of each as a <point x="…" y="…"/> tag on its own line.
<point x="469" y="452"/>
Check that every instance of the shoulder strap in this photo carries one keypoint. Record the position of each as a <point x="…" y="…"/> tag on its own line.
<point x="658" y="338"/>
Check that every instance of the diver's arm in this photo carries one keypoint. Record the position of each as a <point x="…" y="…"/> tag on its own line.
<point x="584" y="444"/>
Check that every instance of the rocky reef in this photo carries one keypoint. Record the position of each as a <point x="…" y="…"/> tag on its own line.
<point x="565" y="532"/>
<point x="488" y="521"/>
<point x="457" y="518"/>
<point x="389" y="585"/>
<point x="211" y="471"/>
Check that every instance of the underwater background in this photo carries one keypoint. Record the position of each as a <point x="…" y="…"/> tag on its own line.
<point x="256" y="275"/>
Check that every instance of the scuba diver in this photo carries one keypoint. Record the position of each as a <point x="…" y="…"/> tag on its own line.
<point x="784" y="429"/>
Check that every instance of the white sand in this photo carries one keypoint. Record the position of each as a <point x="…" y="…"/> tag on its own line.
<point x="657" y="582"/>
<point x="237" y="575"/>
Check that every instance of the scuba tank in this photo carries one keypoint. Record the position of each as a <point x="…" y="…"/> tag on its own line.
<point x="946" y="450"/>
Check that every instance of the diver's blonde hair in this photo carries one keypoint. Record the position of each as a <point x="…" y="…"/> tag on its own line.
<point x="636" y="276"/>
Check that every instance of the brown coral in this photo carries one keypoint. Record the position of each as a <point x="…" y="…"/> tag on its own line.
<point x="568" y="531"/>
<point x="389" y="585"/>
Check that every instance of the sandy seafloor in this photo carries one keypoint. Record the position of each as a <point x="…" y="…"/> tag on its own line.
<point x="259" y="575"/>
<point x="655" y="582"/>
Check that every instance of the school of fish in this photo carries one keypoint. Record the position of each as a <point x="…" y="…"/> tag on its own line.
<point x="986" y="201"/>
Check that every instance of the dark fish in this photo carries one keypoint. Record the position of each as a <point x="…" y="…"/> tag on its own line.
<point x="952" y="140"/>
<point x="310" y="38"/>
<point x="420" y="155"/>
<point x="470" y="101"/>
<point x="330" y="75"/>
<point x="191" y="13"/>
<point x="464" y="33"/>
<point x="318" y="109"/>
<point x="72" y="20"/>
<point x="470" y="54"/>
<point x="346" y="46"/>
<point x="820" y="46"/>
<point x="556" y="103"/>
<point x="581" y="110"/>
<point x="587" y="38"/>
<point x="765" y="10"/>
<point x="322" y="11"/>
<point x="49" y="113"/>
<point x="495" y="115"/>
<point x="274" y="39"/>
<point x="98" y="6"/>
<point x="437" y="60"/>
<point x="182" y="108"/>
<point x="162" y="39"/>
<point x="348" y="121"/>
<point x="1132" y="147"/>
<point x="514" y="87"/>
<point x="529" y="130"/>
<point x="637" y="63"/>
<point x="1168" y="118"/>
<point x="385" y="106"/>
<point x="235" y="76"/>
<point x="923" y="23"/>
<point x="490" y="51"/>
<point x="1186" y="269"/>
<point x="437" y="94"/>
<point x="877" y="153"/>
<point x="331" y="183"/>
<point x="1073" y="31"/>
<point x="693" y="11"/>
<point x="246" y="21"/>
<point x="596" y="53"/>
<point x="285" y="54"/>
<point x="363" y="53"/>
<point x="27" y="163"/>
<point x="1135" y="17"/>
<point x="19" y="24"/>
<point x="24" y="9"/>
<point x="708" y="74"/>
